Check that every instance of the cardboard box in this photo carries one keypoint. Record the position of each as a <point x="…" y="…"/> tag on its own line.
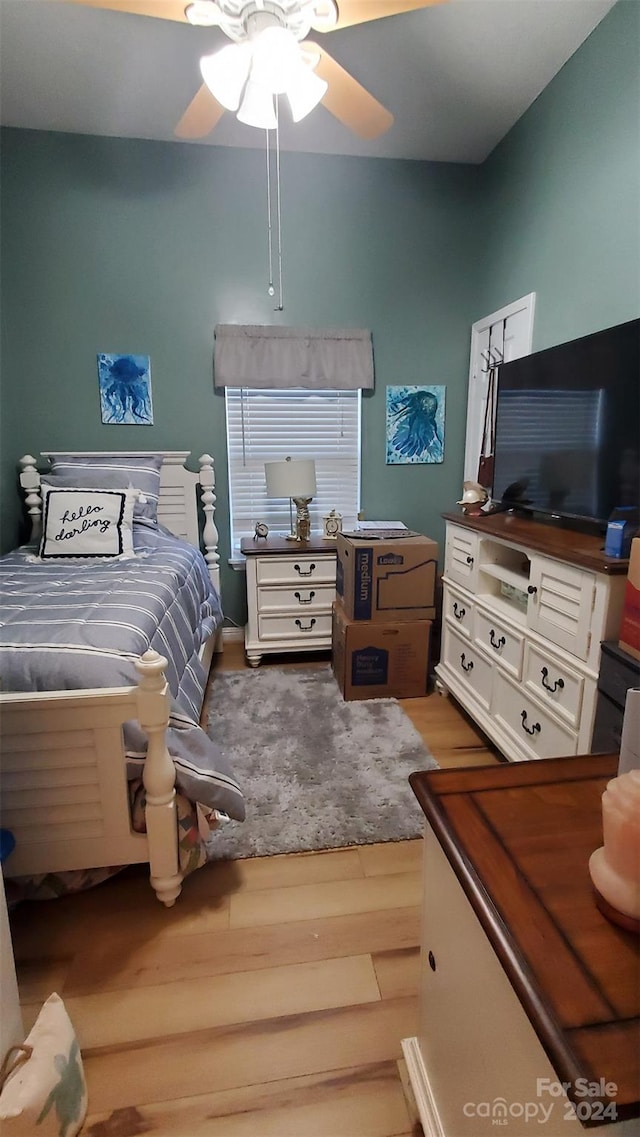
<point x="390" y="579"/>
<point x="380" y="661"/>
<point x="630" y="624"/>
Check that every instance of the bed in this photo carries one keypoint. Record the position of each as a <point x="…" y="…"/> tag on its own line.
<point x="104" y="659"/>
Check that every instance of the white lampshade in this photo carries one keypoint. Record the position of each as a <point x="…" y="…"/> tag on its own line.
<point x="257" y="107"/>
<point x="226" y="72"/>
<point x="304" y="92"/>
<point x="291" y="477"/>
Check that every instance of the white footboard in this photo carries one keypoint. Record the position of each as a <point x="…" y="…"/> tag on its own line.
<point x="63" y="780"/>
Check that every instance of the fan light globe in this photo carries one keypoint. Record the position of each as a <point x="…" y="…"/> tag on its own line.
<point x="305" y="92"/>
<point x="226" y="72"/>
<point x="257" y="107"/>
<point x="276" y="58"/>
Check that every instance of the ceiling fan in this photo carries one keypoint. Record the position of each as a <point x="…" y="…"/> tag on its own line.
<point x="270" y="55"/>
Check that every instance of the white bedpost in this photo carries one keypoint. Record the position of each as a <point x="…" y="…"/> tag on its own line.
<point x="30" y="483"/>
<point x="210" y="536"/>
<point x="159" y="777"/>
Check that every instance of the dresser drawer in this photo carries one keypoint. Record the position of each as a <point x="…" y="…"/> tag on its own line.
<point x="468" y="664"/>
<point x="551" y="681"/>
<point x="536" y="732"/>
<point x="306" y="626"/>
<point x="500" y="642"/>
<point x="304" y="598"/>
<point x="458" y="610"/>
<point x="296" y="570"/>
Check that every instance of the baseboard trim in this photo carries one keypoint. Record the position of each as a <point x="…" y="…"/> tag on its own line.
<point x="423" y="1095"/>
<point x="233" y="635"/>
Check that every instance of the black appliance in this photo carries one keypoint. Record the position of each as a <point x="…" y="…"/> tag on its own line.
<point x="567" y="442"/>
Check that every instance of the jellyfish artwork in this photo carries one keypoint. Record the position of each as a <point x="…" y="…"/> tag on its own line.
<point x="125" y="388"/>
<point x="415" y="424"/>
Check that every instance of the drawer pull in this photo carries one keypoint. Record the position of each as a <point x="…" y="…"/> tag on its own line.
<point x="533" y="729"/>
<point x="466" y="666"/>
<point x="306" y="627"/>
<point x="496" y="643"/>
<point x="301" y="601"/>
<point x="469" y="560"/>
<point x="432" y="961"/>
<point x="459" y="612"/>
<point x="301" y="572"/>
<point x="531" y="589"/>
<point x="557" y="686"/>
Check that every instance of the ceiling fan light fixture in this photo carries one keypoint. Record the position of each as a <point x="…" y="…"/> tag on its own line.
<point x="226" y="73"/>
<point x="305" y="92"/>
<point x="257" y="107"/>
<point x="276" y="58"/>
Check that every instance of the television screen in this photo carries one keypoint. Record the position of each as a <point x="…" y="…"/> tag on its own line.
<point x="567" y="437"/>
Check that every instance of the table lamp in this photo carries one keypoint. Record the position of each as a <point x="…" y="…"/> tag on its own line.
<point x="294" y="478"/>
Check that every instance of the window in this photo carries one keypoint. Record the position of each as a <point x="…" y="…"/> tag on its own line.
<point x="263" y="425"/>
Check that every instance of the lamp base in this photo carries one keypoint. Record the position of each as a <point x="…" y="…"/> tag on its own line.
<point x="302" y="529"/>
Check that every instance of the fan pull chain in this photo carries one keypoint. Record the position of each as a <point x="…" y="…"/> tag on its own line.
<point x="278" y="214"/>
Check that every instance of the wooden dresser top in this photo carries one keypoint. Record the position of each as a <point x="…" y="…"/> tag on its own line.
<point x="518" y="838"/>
<point x="581" y="549"/>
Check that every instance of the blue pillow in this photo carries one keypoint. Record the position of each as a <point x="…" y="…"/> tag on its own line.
<point x="115" y="472"/>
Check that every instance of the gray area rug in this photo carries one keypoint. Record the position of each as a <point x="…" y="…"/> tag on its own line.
<point x="317" y="773"/>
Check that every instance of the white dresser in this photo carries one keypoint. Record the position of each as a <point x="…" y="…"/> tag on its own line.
<point x="525" y="608"/>
<point x="290" y="589"/>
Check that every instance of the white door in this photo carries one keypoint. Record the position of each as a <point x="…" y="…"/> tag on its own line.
<point x="504" y="335"/>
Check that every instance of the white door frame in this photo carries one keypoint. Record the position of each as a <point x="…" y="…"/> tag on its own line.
<point x="478" y="376"/>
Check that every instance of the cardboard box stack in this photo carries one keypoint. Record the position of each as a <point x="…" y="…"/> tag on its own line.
<point x="383" y="613"/>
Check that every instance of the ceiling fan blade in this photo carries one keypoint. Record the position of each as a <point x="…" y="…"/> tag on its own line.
<point x="352" y="12"/>
<point x="347" y="99"/>
<point x="200" y="117"/>
<point x="163" y="9"/>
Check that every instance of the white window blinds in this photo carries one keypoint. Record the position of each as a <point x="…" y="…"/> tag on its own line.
<point x="264" y="426"/>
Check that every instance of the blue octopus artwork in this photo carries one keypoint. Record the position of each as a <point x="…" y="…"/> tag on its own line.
<point x="125" y="388"/>
<point x="415" y="424"/>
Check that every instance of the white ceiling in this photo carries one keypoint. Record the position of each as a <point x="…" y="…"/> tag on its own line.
<point x="456" y="77"/>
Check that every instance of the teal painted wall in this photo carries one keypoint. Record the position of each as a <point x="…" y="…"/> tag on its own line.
<point x="112" y="244"/>
<point x="133" y="246"/>
<point x="560" y="201"/>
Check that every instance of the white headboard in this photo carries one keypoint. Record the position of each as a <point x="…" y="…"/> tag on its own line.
<point x="178" y="504"/>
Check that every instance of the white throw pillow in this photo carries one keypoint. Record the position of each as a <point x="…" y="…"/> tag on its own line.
<point x="87" y="523"/>
<point x="45" y="1093"/>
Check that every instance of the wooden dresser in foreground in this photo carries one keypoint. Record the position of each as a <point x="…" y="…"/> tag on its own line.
<point x="525" y="985"/>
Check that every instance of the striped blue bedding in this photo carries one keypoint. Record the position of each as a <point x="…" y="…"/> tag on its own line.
<point x="73" y="625"/>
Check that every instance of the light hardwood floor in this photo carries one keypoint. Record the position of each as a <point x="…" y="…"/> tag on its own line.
<point x="270" y="1002"/>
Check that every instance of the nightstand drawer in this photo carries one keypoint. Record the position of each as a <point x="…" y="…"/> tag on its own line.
<point x="306" y="626"/>
<point x="296" y="570"/>
<point x="305" y="598"/>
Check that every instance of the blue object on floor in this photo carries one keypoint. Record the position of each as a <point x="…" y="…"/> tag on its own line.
<point x="7" y="844"/>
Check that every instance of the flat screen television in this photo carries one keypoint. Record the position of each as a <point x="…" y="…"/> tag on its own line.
<point x="567" y="441"/>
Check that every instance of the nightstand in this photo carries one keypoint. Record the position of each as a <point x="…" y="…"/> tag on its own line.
<point x="290" y="588"/>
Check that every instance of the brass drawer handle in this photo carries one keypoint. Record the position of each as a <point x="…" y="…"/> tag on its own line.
<point x="300" y="571"/>
<point x="306" y="627"/>
<point x="557" y="686"/>
<point x="301" y="601"/>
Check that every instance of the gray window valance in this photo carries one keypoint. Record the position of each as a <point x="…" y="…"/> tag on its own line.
<point x="274" y="357"/>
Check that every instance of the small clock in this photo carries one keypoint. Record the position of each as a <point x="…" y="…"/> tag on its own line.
<point x="261" y="529"/>
<point x="332" y="524"/>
